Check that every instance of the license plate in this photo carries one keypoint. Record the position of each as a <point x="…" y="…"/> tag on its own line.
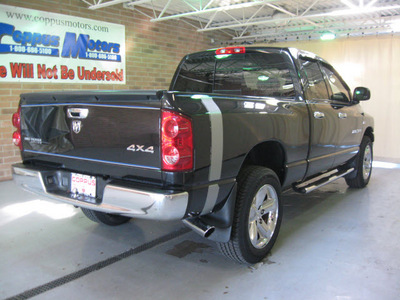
<point x="83" y="185"/>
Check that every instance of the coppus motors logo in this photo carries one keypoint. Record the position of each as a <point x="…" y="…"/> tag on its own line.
<point x="40" y="43"/>
<point x="26" y="42"/>
<point x="78" y="47"/>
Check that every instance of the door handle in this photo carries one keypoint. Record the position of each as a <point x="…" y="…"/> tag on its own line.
<point x="319" y="115"/>
<point x="342" y="115"/>
<point x="77" y="113"/>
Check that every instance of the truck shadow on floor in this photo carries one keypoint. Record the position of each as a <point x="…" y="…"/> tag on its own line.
<point x="301" y="212"/>
<point x="320" y="208"/>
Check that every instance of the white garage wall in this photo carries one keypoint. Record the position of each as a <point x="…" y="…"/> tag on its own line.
<point x="373" y="62"/>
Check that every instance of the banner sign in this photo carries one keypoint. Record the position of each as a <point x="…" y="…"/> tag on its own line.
<point x="37" y="46"/>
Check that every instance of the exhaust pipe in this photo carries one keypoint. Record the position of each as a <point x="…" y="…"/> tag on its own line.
<point x="199" y="226"/>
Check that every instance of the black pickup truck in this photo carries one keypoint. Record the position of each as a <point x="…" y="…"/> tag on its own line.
<point x="237" y="126"/>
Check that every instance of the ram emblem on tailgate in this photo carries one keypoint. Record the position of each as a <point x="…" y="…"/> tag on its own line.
<point x="76" y="126"/>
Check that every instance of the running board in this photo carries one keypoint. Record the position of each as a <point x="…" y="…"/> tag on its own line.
<point x="315" y="183"/>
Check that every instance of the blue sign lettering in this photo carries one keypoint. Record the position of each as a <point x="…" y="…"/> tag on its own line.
<point x="28" y="42"/>
<point x="77" y="47"/>
<point x="82" y="47"/>
<point x="73" y="47"/>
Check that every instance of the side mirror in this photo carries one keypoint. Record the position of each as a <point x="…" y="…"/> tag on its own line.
<point x="361" y="94"/>
<point x="340" y="97"/>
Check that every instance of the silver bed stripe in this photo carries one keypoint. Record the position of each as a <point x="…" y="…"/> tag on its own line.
<point x="216" y="152"/>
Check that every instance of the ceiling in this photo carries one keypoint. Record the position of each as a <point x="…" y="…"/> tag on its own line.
<point x="247" y="21"/>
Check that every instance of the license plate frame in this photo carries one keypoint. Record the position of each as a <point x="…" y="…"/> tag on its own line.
<point x="82" y="184"/>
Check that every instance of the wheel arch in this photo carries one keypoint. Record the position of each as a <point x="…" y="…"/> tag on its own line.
<point x="370" y="133"/>
<point x="270" y="154"/>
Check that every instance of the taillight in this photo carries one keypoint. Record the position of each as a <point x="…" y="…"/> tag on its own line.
<point x="176" y="142"/>
<point x="16" y="121"/>
<point x="16" y="118"/>
<point x="230" y="50"/>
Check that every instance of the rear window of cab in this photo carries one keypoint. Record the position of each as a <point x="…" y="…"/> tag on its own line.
<point x="263" y="74"/>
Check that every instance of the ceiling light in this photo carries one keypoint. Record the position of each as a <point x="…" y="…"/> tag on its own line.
<point x="361" y="10"/>
<point x="328" y="36"/>
<point x="301" y="28"/>
<point x="395" y="25"/>
<point x="348" y="3"/>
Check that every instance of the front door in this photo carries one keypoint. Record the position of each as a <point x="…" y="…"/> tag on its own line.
<point x="348" y="114"/>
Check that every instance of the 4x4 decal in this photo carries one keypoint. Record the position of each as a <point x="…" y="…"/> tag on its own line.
<point x="140" y="148"/>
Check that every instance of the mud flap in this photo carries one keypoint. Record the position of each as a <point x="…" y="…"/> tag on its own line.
<point x="222" y="219"/>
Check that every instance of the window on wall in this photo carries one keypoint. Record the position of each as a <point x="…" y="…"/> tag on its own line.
<point x="316" y="87"/>
<point x="338" y="89"/>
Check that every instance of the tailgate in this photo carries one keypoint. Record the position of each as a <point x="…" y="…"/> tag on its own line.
<point x="103" y="128"/>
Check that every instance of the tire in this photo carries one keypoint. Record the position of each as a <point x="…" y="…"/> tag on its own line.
<point x="104" y="218"/>
<point x="362" y="165"/>
<point x="251" y="238"/>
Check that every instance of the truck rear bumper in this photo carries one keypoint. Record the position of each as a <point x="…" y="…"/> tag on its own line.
<point x="117" y="199"/>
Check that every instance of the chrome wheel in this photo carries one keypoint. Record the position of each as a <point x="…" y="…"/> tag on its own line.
<point x="367" y="162"/>
<point x="258" y="216"/>
<point x="362" y="164"/>
<point x="263" y="216"/>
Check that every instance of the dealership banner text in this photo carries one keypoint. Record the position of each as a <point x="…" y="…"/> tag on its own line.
<point x="37" y="46"/>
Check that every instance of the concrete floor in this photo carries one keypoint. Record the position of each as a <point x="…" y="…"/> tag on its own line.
<point x="335" y="243"/>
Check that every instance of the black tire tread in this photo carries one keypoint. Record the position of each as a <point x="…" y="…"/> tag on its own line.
<point x="357" y="181"/>
<point x="231" y="249"/>
<point x="104" y="218"/>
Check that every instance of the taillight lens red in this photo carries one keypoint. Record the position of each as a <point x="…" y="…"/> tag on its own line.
<point x="16" y="121"/>
<point x="176" y="142"/>
<point x="170" y="127"/>
<point x="170" y="155"/>
<point x="16" y="118"/>
<point x="230" y="50"/>
<point x="17" y="139"/>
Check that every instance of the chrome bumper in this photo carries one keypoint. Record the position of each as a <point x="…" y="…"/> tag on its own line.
<point x="125" y="201"/>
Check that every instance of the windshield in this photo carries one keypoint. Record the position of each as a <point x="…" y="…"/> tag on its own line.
<point x="251" y="74"/>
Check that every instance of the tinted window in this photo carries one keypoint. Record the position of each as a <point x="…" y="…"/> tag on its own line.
<point x="316" y="86"/>
<point x="196" y="74"/>
<point x="337" y="91"/>
<point x="252" y="74"/>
